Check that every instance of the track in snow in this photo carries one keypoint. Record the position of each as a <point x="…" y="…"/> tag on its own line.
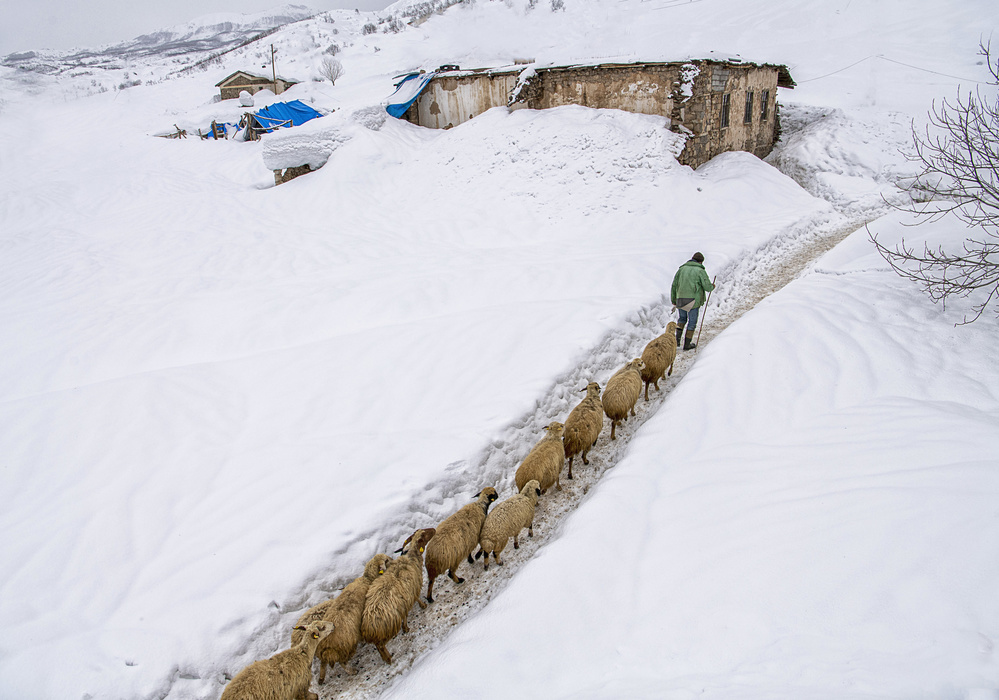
<point x="741" y="285"/>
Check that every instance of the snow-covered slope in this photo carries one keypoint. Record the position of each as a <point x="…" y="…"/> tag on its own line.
<point x="219" y="397"/>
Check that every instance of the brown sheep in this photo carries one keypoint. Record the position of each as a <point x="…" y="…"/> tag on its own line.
<point x="286" y="675"/>
<point x="507" y="520"/>
<point x="659" y="356"/>
<point x="544" y="462"/>
<point x="391" y="595"/>
<point x="344" y="612"/>
<point x="622" y="392"/>
<point x="457" y="536"/>
<point x="583" y="426"/>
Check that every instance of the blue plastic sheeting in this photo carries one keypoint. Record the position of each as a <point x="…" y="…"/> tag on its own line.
<point x="406" y="92"/>
<point x="227" y="128"/>
<point x="282" y="114"/>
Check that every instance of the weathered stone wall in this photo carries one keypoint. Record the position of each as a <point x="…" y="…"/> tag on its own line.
<point x="229" y="92"/>
<point x="703" y="112"/>
<point x="639" y="89"/>
<point x="451" y="100"/>
<point x="692" y="103"/>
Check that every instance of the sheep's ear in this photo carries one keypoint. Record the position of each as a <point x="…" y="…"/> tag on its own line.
<point x="537" y="491"/>
<point x="421" y="550"/>
<point x="315" y="635"/>
<point x="299" y="627"/>
<point x="477" y="495"/>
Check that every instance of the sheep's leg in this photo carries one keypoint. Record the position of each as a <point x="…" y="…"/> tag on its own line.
<point x="496" y="556"/>
<point x="670" y="373"/>
<point x="558" y="486"/>
<point x="570" y="466"/>
<point x="386" y="657"/>
<point x="646" y="391"/>
<point x="632" y="410"/>
<point x="322" y="671"/>
<point x="585" y="460"/>
<point x="530" y="529"/>
<point x="613" y="428"/>
<point x="405" y="623"/>
<point x="516" y="544"/>
<point x="351" y="669"/>
<point x="454" y="577"/>
<point x="430" y="586"/>
<point x="470" y="560"/>
<point x="485" y="560"/>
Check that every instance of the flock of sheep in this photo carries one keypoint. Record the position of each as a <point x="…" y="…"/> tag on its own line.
<point x="374" y="607"/>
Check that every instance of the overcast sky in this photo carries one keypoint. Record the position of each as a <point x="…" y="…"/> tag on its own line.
<point x="65" y="24"/>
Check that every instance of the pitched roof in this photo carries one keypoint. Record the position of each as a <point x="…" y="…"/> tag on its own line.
<point x="252" y="76"/>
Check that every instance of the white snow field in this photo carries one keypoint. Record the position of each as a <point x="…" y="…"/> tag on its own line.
<point x="219" y="398"/>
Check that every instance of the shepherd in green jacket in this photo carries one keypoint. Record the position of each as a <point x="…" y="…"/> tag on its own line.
<point x="687" y="294"/>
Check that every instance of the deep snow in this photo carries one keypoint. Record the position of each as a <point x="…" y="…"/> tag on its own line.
<point x="220" y="397"/>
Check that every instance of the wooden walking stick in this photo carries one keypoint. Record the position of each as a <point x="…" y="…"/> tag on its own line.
<point x="708" y="301"/>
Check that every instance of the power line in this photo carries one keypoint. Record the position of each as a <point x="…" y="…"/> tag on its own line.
<point x="891" y="60"/>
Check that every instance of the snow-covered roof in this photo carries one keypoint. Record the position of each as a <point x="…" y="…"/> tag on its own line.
<point x="784" y="78"/>
<point x="254" y="76"/>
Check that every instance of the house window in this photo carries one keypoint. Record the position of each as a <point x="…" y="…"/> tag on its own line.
<point x="724" y="110"/>
<point x="747" y="116"/>
<point x="764" y="105"/>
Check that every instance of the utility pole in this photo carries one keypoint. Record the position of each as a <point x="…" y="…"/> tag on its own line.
<point x="273" y="70"/>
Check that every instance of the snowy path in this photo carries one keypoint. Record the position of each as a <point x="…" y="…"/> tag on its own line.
<point x="746" y="283"/>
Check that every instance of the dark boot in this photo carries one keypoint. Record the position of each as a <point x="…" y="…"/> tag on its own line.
<point x="687" y="345"/>
<point x="679" y="335"/>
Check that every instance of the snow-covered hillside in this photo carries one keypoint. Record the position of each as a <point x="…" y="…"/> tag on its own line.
<point x="220" y="397"/>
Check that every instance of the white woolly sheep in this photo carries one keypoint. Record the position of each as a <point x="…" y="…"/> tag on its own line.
<point x="622" y="392"/>
<point x="507" y="520"/>
<point x="545" y="460"/>
<point x="345" y="613"/>
<point x="659" y="356"/>
<point x="286" y="675"/>
<point x="583" y="426"/>
<point x="391" y="595"/>
<point x="456" y="538"/>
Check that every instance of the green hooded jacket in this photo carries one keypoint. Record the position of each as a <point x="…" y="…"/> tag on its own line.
<point x="690" y="282"/>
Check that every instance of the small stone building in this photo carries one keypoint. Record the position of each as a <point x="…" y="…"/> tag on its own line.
<point x="720" y="105"/>
<point x="241" y="80"/>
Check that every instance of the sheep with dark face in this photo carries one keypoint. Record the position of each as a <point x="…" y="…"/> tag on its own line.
<point x="583" y="426"/>
<point x="391" y="595"/>
<point x="456" y="539"/>
<point x="286" y="675"/>
<point x="345" y="613"/>
<point x="622" y="392"/>
<point x="545" y="460"/>
<point x="659" y="356"/>
<point x="507" y="520"/>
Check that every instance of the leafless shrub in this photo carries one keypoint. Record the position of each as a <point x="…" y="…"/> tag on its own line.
<point x="331" y="69"/>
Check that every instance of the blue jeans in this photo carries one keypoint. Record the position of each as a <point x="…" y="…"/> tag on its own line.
<point x="688" y="318"/>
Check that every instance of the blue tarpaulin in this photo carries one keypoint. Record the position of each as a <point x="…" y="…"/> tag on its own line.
<point x="282" y="114"/>
<point x="406" y="92"/>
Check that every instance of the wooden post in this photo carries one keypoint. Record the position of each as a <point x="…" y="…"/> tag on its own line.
<point x="707" y="301"/>
<point x="273" y="70"/>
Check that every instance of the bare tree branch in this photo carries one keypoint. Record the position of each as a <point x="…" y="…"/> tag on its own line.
<point x="958" y="159"/>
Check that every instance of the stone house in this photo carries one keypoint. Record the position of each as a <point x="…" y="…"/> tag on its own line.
<point x="241" y="80"/>
<point x="721" y="105"/>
